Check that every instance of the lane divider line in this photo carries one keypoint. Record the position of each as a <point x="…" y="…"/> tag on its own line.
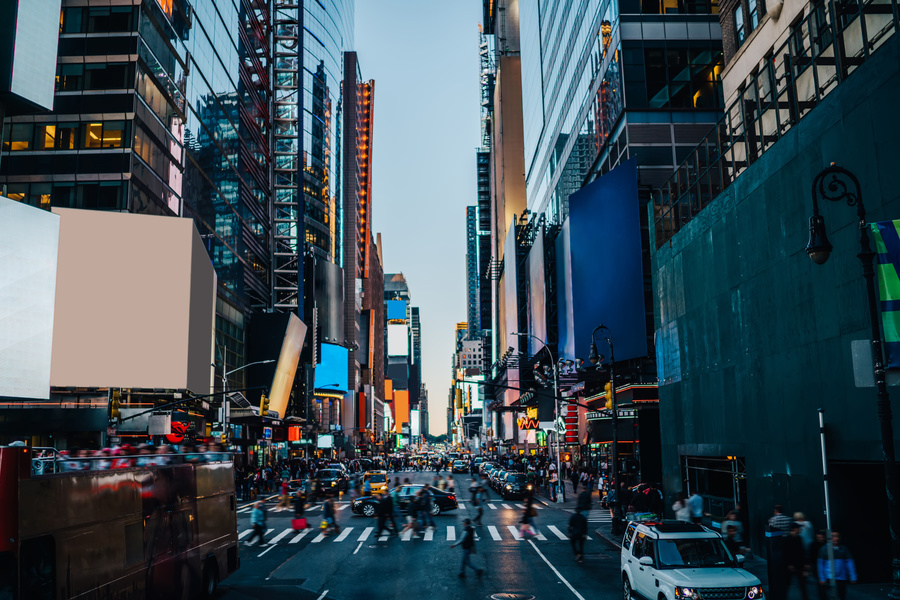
<point x="558" y="574"/>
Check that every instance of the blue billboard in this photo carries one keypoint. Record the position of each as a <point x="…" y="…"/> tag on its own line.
<point x="396" y="310"/>
<point x="599" y="267"/>
<point x="331" y="373"/>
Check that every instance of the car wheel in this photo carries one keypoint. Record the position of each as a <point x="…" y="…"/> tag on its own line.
<point x="626" y="588"/>
<point x="368" y="510"/>
<point x="435" y="510"/>
<point x="210" y="578"/>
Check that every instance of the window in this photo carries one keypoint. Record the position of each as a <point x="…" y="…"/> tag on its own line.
<point x="629" y="534"/>
<point x="739" y="32"/>
<point x="66" y="133"/>
<point x="110" y="134"/>
<point x="46" y="137"/>
<point x="69" y="78"/>
<point x="754" y="14"/>
<point x="18" y="137"/>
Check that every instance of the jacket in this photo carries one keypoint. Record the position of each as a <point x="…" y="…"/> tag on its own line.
<point x="577" y="525"/>
<point x="258" y="517"/>
<point x="844" y="567"/>
<point x="468" y="540"/>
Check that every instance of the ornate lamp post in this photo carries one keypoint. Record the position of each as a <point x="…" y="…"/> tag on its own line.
<point x="596" y="358"/>
<point x="835" y="183"/>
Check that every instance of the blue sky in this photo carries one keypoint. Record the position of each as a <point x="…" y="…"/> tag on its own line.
<point x="423" y="56"/>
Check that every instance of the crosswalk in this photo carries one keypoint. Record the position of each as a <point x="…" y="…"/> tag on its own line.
<point x="448" y="534"/>
<point x="462" y="506"/>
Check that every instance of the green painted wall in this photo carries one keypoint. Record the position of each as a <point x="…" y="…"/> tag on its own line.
<point x="752" y="336"/>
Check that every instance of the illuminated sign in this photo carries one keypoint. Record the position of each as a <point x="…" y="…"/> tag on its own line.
<point x="528" y="423"/>
<point x="267" y="433"/>
<point x="179" y="428"/>
<point x="532" y="412"/>
<point x="294" y="433"/>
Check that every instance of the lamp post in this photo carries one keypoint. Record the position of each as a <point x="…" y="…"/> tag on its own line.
<point x="835" y="183"/>
<point x="561" y="483"/>
<point x="596" y="358"/>
<point x="225" y="403"/>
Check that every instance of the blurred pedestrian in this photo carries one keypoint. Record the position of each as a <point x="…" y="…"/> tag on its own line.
<point x="683" y="511"/>
<point x="577" y="533"/>
<point x="467" y="541"/>
<point x="844" y="567"/>
<point x="806" y="530"/>
<point x="258" y="521"/>
<point x="385" y="511"/>
<point x="695" y="503"/>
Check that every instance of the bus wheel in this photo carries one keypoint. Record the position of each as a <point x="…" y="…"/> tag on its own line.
<point x="210" y="578"/>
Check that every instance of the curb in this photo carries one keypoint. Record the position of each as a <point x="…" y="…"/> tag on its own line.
<point x="608" y="539"/>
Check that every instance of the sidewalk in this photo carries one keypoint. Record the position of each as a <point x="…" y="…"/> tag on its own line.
<point x="759" y="567"/>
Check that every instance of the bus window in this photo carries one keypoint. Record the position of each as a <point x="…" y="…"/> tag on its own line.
<point x="38" y="564"/>
<point x="8" y="576"/>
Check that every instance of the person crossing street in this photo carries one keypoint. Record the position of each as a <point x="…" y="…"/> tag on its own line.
<point x="467" y="541"/>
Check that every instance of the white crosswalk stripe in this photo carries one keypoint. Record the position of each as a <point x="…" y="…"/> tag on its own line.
<point x="365" y="534"/>
<point x="318" y="538"/>
<point x="557" y="532"/>
<point x="451" y="533"/>
<point x="407" y="535"/>
<point x="520" y="505"/>
<point x="244" y="534"/>
<point x="343" y="534"/>
<point x="461" y="505"/>
<point x="278" y="537"/>
<point x="429" y="535"/>
<point x="492" y="507"/>
<point x="342" y="506"/>
<point x="494" y="533"/>
<point x="514" y="532"/>
<point x="300" y="536"/>
<point x="506" y="506"/>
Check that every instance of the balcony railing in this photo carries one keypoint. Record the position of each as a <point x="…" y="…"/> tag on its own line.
<point x="825" y="48"/>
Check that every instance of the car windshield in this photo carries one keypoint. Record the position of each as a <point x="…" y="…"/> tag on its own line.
<point x="515" y="479"/>
<point x="327" y="474"/>
<point x="460" y="463"/>
<point x="694" y="552"/>
<point x="377" y="478"/>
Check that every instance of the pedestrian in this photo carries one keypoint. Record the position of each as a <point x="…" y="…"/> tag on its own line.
<point x="584" y="501"/>
<point x="731" y="520"/>
<point x="806" y="530"/>
<point x="795" y="560"/>
<point x="779" y="521"/>
<point x="577" y="533"/>
<point x="330" y="517"/>
<point x="385" y="509"/>
<point x="554" y="481"/>
<point x="427" y="506"/>
<point x="258" y="521"/>
<point x="467" y="541"/>
<point x="575" y="476"/>
<point x="284" y="503"/>
<point x="695" y="503"/>
<point x="451" y="485"/>
<point x="478" y="503"/>
<point x="527" y="527"/>
<point x="812" y="558"/>
<point x="299" y="503"/>
<point x="844" y="567"/>
<point x="683" y="511"/>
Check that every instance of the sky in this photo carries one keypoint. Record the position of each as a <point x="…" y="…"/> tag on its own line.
<point x="423" y="56"/>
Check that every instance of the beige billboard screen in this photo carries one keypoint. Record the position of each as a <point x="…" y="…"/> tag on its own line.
<point x="287" y="365"/>
<point x="135" y="303"/>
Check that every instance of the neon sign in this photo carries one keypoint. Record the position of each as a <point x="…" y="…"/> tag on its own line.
<point x="528" y="423"/>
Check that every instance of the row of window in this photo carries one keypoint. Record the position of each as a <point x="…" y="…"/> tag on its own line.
<point x="103" y="195"/>
<point x="95" y="76"/>
<point x="19" y="137"/>
<point x="101" y="19"/>
<point x="743" y="28"/>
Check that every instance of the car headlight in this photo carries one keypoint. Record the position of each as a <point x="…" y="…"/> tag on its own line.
<point x="529" y="487"/>
<point x="509" y="487"/>
<point x="686" y="592"/>
<point x="754" y="592"/>
<point x="332" y="483"/>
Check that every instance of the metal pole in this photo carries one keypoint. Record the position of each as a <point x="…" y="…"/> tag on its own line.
<point x="832" y="587"/>
<point x="561" y="483"/>
<point x="617" y="517"/>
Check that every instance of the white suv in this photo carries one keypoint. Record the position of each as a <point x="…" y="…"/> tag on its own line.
<point x="673" y="560"/>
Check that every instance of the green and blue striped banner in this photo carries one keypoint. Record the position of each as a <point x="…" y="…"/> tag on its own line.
<point x="887" y="245"/>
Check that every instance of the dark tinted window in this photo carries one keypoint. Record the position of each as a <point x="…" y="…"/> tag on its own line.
<point x="328" y="474"/>
<point x="518" y="478"/>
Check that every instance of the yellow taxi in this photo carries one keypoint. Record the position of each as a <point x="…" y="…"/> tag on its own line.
<point x="377" y="482"/>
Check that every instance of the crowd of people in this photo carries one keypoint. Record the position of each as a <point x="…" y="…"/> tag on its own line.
<point x="127" y="456"/>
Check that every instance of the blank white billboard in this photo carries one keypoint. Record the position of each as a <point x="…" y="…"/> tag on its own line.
<point x="398" y="340"/>
<point x="414" y="421"/>
<point x="29" y="241"/>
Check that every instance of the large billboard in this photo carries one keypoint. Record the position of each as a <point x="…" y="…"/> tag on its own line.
<point x="29" y="242"/>
<point x="28" y="47"/>
<point x="331" y="373"/>
<point x="414" y="423"/>
<point x="396" y="310"/>
<point x="601" y="279"/>
<point x="398" y="339"/>
<point x="135" y="303"/>
<point x="286" y="368"/>
<point x="537" y="305"/>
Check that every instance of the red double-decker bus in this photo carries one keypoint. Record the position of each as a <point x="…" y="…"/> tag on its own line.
<point x="139" y="532"/>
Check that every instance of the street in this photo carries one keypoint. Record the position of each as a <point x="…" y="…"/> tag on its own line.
<point x="356" y="565"/>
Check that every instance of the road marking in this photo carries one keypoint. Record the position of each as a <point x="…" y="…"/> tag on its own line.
<point x="461" y="506"/>
<point x="365" y="534"/>
<point x="245" y="510"/>
<point x="281" y="535"/>
<point x="357" y="548"/>
<point x="494" y="533"/>
<point x="266" y="550"/>
<point x="557" y="532"/>
<point x="538" y="507"/>
<point x="520" y="505"/>
<point x="344" y="534"/>
<point x="323" y="595"/>
<point x="563" y="579"/>
<point x="451" y="533"/>
<point x="318" y="538"/>
<point x="299" y="536"/>
<point x="245" y="534"/>
<point x="384" y="538"/>
<point x="429" y="535"/>
<point x="492" y="507"/>
<point x="514" y="532"/>
<point x="506" y="506"/>
<point x="406" y="535"/>
<point x="540" y="535"/>
<point x="342" y="506"/>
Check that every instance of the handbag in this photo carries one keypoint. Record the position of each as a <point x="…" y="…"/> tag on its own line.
<point x="300" y="523"/>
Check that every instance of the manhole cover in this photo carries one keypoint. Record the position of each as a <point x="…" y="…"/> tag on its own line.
<point x="508" y="596"/>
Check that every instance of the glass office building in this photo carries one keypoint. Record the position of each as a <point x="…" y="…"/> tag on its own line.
<point x="604" y="80"/>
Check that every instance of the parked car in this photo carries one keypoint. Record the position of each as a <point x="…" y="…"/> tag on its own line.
<point x="673" y="560"/>
<point x="443" y="501"/>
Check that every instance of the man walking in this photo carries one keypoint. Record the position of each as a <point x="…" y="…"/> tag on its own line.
<point x="577" y="533"/>
<point x="385" y="510"/>
<point x="844" y="567"/>
<point x="468" y="547"/>
<point x="258" y="520"/>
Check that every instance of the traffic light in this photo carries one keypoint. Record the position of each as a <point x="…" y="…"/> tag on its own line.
<point x="115" y="405"/>
<point x="263" y="405"/>
<point x="567" y="457"/>
<point x="609" y="392"/>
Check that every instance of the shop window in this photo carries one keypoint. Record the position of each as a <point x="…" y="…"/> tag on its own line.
<point x="18" y="137"/>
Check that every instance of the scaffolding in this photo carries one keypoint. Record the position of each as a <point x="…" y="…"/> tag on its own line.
<point x="288" y="218"/>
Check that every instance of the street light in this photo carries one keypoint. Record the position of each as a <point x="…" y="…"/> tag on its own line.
<point x="834" y="183"/>
<point x="225" y="405"/>
<point x="544" y="345"/>
<point x="596" y="359"/>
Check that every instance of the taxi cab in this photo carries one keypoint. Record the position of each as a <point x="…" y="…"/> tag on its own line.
<point x="377" y="479"/>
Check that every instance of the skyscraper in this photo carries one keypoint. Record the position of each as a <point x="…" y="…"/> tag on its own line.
<point x="472" y="272"/>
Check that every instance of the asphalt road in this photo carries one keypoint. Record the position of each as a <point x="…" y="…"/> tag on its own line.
<point x="356" y="566"/>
